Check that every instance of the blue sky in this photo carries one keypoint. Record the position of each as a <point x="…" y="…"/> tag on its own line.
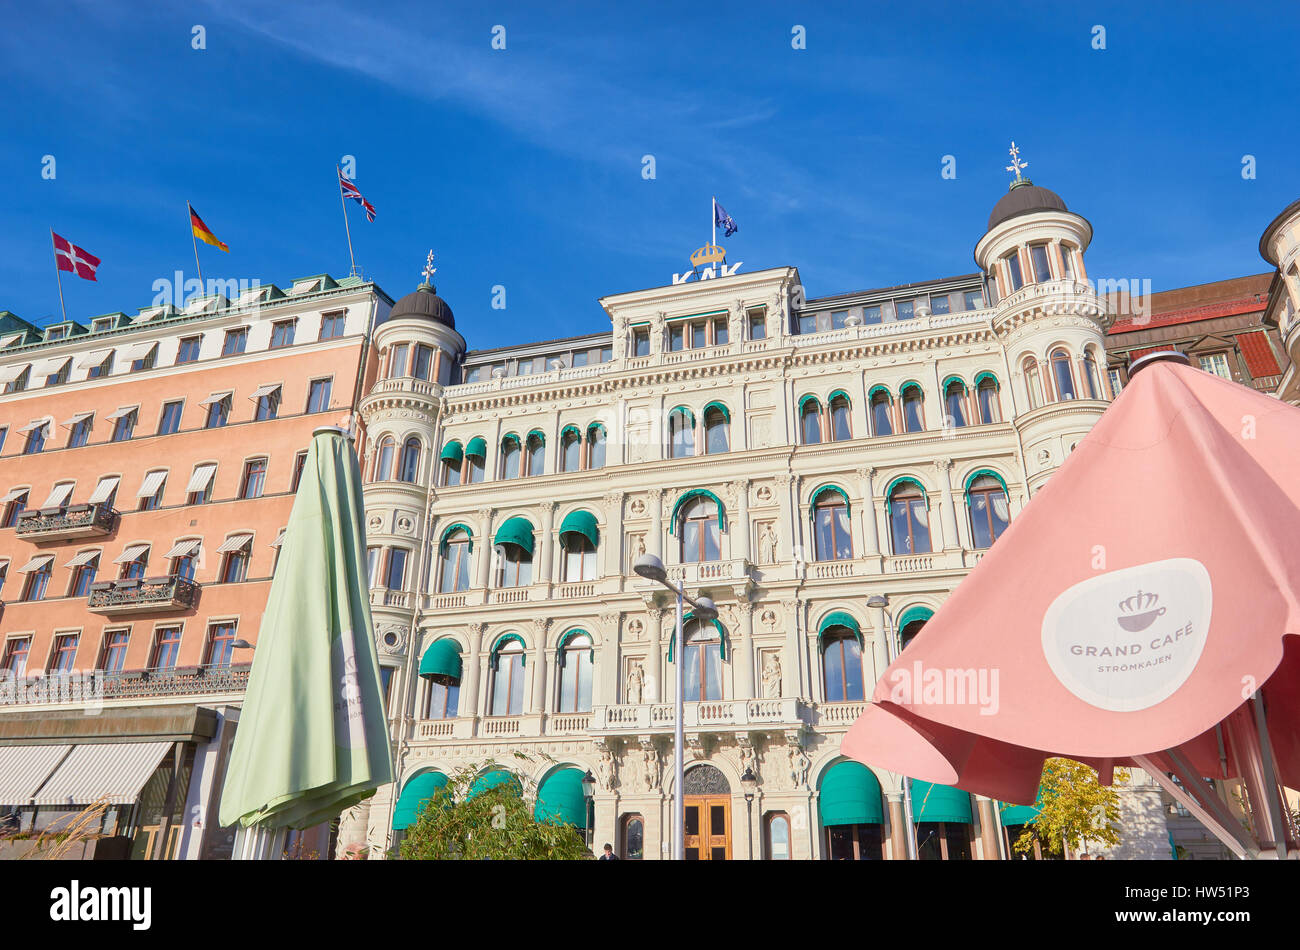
<point x="523" y="167"/>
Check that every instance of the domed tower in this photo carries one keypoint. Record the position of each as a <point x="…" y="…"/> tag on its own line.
<point x="419" y="353"/>
<point x="1280" y="246"/>
<point x="1051" y="323"/>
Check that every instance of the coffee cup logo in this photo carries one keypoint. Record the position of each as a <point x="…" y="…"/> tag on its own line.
<point x="1129" y="639"/>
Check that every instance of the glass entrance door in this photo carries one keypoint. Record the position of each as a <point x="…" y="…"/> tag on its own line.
<point x="708" y="828"/>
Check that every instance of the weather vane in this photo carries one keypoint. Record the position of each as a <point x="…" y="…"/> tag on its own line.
<point x="429" y="269"/>
<point x="1016" y="163"/>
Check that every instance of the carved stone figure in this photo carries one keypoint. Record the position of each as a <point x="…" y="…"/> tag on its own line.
<point x="771" y="676"/>
<point x="606" y="770"/>
<point x="635" y="685"/>
<point x="639" y="549"/>
<point x="799" y="765"/>
<point x="767" y="545"/>
<point x="650" y="763"/>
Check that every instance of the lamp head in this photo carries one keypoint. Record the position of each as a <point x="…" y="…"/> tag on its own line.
<point x="705" y="609"/>
<point x="651" y="568"/>
<point x="588" y="784"/>
<point x="749" y="781"/>
<point x="879" y="601"/>
<point x="241" y="644"/>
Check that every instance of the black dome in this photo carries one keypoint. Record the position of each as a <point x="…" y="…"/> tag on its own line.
<point x="1024" y="198"/>
<point x="426" y="303"/>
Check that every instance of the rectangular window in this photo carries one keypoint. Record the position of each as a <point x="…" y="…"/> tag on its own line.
<point x="974" y="300"/>
<point x="839" y="319"/>
<point x="199" y="490"/>
<point x="4" y="433"/>
<point x="152" y="489"/>
<point x="580" y="358"/>
<point x="16" y="508"/>
<point x="1216" y="363"/>
<point x="1067" y="263"/>
<point x="606" y="354"/>
<point x="171" y="417"/>
<point x="189" y="349"/>
<point x="1115" y="384"/>
<point x="397" y="358"/>
<point x="218" y="413"/>
<point x="871" y="315"/>
<point x="807" y="323"/>
<point x="268" y="406"/>
<point x="146" y="361"/>
<point x="65" y="652"/>
<point x="124" y="426"/>
<point x="318" y="395"/>
<point x="19" y="382"/>
<point x="114" y="656"/>
<point x="235" y="570"/>
<point x="758" y="326"/>
<point x="83" y="576"/>
<point x="422" y="362"/>
<point x="720" y="331"/>
<point x="1013" y="268"/>
<point x="1038" y="257"/>
<point x="939" y="303"/>
<point x="38" y="580"/>
<point x="299" y="463"/>
<point x="15" y="658"/>
<point x="698" y="331"/>
<point x="676" y="338"/>
<point x="55" y="333"/>
<point x="331" y="325"/>
<point x="167" y="648"/>
<point x="372" y="561"/>
<point x="254" y="478"/>
<point x="59" y="376"/>
<point x="102" y="369"/>
<point x="221" y="644"/>
<point x="474" y="375"/>
<point x="235" y="342"/>
<point x="395" y="576"/>
<point x="905" y="309"/>
<point x="282" y="333"/>
<point x="79" y="434"/>
<point x="641" y="341"/>
<point x="35" y="439"/>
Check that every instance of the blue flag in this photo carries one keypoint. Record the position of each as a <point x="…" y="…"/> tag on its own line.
<point x="724" y="220"/>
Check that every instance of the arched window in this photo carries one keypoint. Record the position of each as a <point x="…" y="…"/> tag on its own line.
<point x="507" y="693"/>
<point x="909" y="519"/>
<point x="842" y="666"/>
<point x="841" y="429"/>
<point x="633" y="838"/>
<point x="570" y="450"/>
<point x="513" y="546"/>
<point x="881" y="421"/>
<point x="989" y="514"/>
<point x="832" y="540"/>
<point x="986" y="395"/>
<point x="384" y="459"/>
<point x="442" y="698"/>
<point x="475" y="468"/>
<point x="596" y="446"/>
<point x="579" y="536"/>
<point x="681" y="433"/>
<point x="810" y="421"/>
<point x="1062" y="375"/>
<point x="510" y="457"/>
<point x="536" y="453"/>
<point x="701" y="531"/>
<point x="575" y="674"/>
<point x="702" y="663"/>
<point x="716" y="426"/>
<point x="1090" y="378"/>
<point x="910" y="623"/>
<point x="954" y="396"/>
<point x="943" y="822"/>
<point x="776" y="836"/>
<point x="850" y="808"/>
<point x="456" y="549"/>
<point x="453" y="463"/>
<point x="409" y="469"/>
<point x="1033" y="382"/>
<point x="913" y="417"/>
<point x="441" y="667"/>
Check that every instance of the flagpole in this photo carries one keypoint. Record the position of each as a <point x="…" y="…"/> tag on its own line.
<point x="57" y="276"/>
<point x="195" y="241"/>
<point x="713" y="221"/>
<point x="347" y="227"/>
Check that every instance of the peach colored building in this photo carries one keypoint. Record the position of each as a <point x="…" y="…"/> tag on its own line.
<point x="148" y="465"/>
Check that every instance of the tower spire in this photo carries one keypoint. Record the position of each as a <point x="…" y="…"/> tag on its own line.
<point x="1016" y="165"/>
<point x="429" y="271"/>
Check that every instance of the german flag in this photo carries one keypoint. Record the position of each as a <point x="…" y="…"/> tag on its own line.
<point x="202" y="232"/>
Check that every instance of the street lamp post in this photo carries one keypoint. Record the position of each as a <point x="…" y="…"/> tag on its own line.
<point x="652" y="569"/>
<point x="589" y="798"/>
<point x="749" y="782"/>
<point x="881" y="602"/>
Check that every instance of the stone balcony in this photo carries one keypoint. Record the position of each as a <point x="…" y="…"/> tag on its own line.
<point x="144" y="595"/>
<point x="727" y="715"/>
<point x="66" y="523"/>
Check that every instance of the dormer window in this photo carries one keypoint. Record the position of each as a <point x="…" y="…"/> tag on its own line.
<point x="56" y="333"/>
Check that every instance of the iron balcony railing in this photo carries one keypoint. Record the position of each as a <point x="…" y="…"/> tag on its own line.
<point x="172" y="592"/>
<point x="94" y="686"/>
<point x="66" y="522"/>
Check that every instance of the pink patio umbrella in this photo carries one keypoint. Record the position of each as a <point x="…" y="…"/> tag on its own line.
<point x="1143" y="610"/>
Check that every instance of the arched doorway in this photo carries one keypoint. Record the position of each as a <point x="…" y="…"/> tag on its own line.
<point x="707" y="797"/>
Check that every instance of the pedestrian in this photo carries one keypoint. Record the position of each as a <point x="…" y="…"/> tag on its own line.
<point x="609" y="854"/>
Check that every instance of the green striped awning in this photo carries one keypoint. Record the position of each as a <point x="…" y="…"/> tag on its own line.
<point x="516" y="530"/>
<point x="581" y="522"/>
<point x="850" y="795"/>
<point x="939" y="803"/>
<point x="416" y="794"/>
<point x="560" y="799"/>
<point x="441" y="659"/>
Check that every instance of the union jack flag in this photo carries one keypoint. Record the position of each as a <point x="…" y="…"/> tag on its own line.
<point x="350" y="191"/>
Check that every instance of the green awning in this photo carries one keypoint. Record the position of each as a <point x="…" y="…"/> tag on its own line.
<point x="911" y="384"/>
<point x="452" y="452"/>
<point x="1018" y="814"/>
<point x="904" y="480"/>
<point x="696" y="493"/>
<point x="912" y="614"/>
<point x="581" y="522"/>
<point x="970" y="479"/>
<point x="880" y="388"/>
<point x="953" y="379"/>
<point x="451" y="529"/>
<point x="939" y="803"/>
<point x="415" y="796"/>
<point x="477" y="448"/>
<point x="686" y="412"/>
<point x="833" y="489"/>
<point x="441" y="659"/>
<point x="717" y="624"/>
<point x="850" y="795"/>
<point x="726" y="413"/>
<point x="564" y="643"/>
<point x="516" y="530"/>
<point x="537" y="434"/>
<point x="491" y="780"/>
<point x="508" y="440"/>
<point x="839" y="392"/>
<point x="560" y="799"/>
<point x="986" y="375"/>
<point x="593" y="429"/>
<point x="807" y="399"/>
<point x="838" y="618"/>
<point x="570" y="428"/>
<point x="501" y="642"/>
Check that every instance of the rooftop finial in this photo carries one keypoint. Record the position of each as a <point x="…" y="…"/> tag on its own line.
<point x="429" y="269"/>
<point x="1016" y="165"/>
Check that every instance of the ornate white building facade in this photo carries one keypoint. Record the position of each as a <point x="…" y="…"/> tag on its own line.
<point x="788" y="457"/>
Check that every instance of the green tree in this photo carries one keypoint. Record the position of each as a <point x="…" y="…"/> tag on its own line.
<point x="1074" y="807"/>
<point x="494" y="825"/>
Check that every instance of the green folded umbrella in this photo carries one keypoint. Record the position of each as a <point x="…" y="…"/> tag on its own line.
<point x="312" y="739"/>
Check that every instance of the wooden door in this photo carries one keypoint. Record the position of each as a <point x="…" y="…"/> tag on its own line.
<point x="708" y="828"/>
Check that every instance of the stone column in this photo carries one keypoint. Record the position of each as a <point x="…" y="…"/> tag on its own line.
<point x="897" y="826"/>
<point x="604" y="684"/>
<point x="613" y="540"/>
<point x="741" y="530"/>
<point x="539" y="704"/>
<point x="867" y="514"/>
<point x="744" y="649"/>
<point x="655" y="691"/>
<point x="470" y="673"/>
<point x="485" y="548"/>
<point x="880" y="645"/>
<point x="789" y="525"/>
<point x="988" y="828"/>
<point x="655" y="543"/>
<point x="542" y="567"/>
<point x="792" y="664"/>
<point x="948" y="516"/>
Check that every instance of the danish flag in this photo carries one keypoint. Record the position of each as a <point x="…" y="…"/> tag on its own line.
<point x="350" y="191"/>
<point x="69" y="257"/>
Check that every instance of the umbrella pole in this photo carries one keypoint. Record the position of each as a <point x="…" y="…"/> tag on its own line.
<point x="1251" y="746"/>
<point x="1221" y="830"/>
